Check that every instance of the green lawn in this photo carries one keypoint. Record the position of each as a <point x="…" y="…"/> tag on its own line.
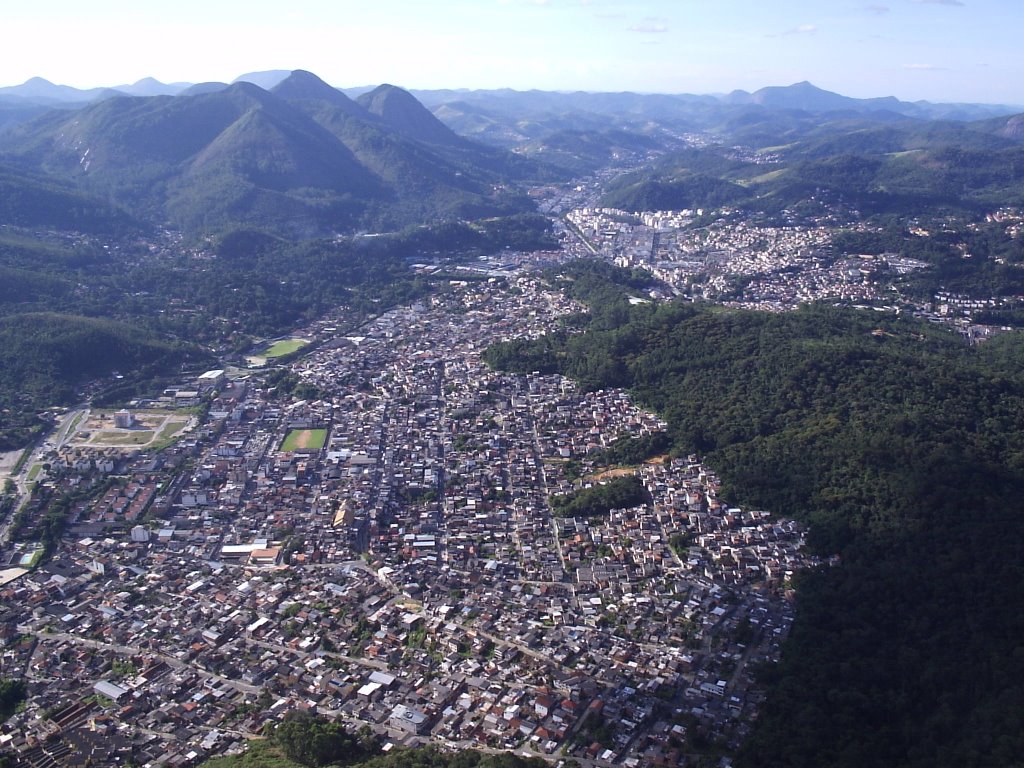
<point x="284" y="347"/>
<point x="305" y="440"/>
<point x="168" y="435"/>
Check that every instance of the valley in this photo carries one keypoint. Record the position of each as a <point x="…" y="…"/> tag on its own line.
<point x="688" y="438"/>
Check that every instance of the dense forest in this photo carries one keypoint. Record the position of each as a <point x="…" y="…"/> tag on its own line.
<point x="901" y="447"/>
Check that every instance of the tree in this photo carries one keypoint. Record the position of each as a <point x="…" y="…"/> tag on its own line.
<point x="12" y="693"/>
<point x="315" y="741"/>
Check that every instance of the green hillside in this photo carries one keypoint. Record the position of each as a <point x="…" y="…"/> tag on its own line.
<point x="688" y="192"/>
<point x="903" y="168"/>
<point x="45" y="356"/>
<point x="427" y="168"/>
<point x="33" y="200"/>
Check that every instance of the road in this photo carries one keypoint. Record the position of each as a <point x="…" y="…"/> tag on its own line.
<point x="63" y="431"/>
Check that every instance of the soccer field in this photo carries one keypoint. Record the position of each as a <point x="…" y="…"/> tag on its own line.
<point x="304" y="440"/>
<point x="284" y="347"/>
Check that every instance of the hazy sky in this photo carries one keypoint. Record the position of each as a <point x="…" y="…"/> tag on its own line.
<point x="941" y="50"/>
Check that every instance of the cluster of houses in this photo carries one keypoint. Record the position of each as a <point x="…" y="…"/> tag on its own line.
<point x="780" y="267"/>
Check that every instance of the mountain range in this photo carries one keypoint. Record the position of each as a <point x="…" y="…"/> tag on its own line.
<point x="290" y="154"/>
<point x="300" y="159"/>
<point x="802" y="96"/>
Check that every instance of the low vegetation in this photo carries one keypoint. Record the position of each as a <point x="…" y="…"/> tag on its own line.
<point x="311" y="741"/>
<point x="284" y="347"/>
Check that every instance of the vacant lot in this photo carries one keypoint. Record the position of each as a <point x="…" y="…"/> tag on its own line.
<point x="151" y="429"/>
<point x="305" y="440"/>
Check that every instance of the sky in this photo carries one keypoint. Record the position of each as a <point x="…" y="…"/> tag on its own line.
<point x="939" y="50"/>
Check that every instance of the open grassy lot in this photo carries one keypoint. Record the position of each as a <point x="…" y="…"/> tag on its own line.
<point x="283" y="347"/>
<point x="304" y="440"/>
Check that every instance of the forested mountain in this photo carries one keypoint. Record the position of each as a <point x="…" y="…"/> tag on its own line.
<point x="423" y="167"/>
<point x="905" y="167"/>
<point x="302" y="160"/>
<point x="538" y="123"/>
<point x="400" y="111"/>
<point x="31" y="200"/>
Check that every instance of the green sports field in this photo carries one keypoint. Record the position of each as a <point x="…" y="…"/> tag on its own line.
<point x="304" y="440"/>
<point x="284" y="347"/>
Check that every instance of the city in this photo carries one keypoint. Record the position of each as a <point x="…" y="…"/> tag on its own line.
<point x="403" y="570"/>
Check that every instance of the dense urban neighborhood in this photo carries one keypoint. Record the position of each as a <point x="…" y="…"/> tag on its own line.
<point x="383" y="549"/>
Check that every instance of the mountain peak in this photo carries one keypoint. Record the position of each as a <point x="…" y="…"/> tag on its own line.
<point x="301" y="85"/>
<point x="150" y="86"/>
<point x="803" y="95"/>
<point x="399" y="109"/>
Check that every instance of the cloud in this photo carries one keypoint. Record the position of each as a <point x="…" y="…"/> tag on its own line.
<point x="877" y="10"/>
<point x="803" y="29"/>
<point x="924" y="67"/>
<point x="651" y="26"/>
